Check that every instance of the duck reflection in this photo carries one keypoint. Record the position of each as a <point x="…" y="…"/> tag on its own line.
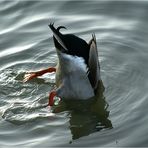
<point x="89" y="116"/>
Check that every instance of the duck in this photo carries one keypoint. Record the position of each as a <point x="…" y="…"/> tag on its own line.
<point x="77" y="72"/>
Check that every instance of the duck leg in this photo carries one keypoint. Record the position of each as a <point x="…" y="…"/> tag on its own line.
<point x="51" y="97"/>
<point x="30" y="75"/>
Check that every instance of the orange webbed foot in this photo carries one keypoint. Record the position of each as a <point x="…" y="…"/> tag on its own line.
<point x="30" y="75"/>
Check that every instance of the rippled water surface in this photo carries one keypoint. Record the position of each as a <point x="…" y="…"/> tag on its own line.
<point x="118" y="116"/>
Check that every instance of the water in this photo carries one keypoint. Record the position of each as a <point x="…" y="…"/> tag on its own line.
<point x="118" y="117"/>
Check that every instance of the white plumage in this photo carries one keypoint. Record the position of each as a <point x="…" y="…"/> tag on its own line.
<point x="72" y="75"/>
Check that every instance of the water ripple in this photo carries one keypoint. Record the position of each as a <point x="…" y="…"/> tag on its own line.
<point x="118" y="118"/>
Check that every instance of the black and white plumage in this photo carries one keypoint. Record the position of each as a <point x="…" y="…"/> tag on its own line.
<point x="78" y="70"/>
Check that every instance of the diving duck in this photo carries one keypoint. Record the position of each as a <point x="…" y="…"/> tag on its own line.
<point x="77" y="70"/>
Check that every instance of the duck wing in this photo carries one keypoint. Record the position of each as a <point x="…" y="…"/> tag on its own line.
<point x="93" y="63"/>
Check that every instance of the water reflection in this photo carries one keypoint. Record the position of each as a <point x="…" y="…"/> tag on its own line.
<point x="87" y="117"/>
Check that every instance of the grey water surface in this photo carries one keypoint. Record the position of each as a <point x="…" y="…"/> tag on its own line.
<point x="117" y="116"/>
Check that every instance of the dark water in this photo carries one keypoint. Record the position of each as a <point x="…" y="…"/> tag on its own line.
<point x="118" y="117"/>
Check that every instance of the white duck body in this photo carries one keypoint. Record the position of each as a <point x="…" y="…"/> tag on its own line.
<point x="71" y="78"/>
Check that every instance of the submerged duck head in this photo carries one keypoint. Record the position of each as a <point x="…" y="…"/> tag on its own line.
<point x="78" y="70"/>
